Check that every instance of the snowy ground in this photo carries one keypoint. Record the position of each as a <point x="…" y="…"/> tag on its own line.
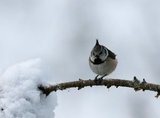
<point x="19" y="96"/>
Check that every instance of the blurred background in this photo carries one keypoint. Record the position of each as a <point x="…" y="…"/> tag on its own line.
<point x="63" y="32"/>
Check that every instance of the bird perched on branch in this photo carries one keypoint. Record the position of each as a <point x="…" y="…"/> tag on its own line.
<point x="102" y="61"/>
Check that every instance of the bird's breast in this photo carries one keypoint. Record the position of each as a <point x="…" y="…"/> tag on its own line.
<point x="107" y="67"/>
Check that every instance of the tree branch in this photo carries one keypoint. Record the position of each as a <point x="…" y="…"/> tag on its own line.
<point x="135" y="84"/>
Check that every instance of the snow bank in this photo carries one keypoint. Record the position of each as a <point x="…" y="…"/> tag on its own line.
<point x="19" y="96"/>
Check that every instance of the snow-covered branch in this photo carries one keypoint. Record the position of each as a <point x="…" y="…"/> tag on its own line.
<point x="135" y="84"/>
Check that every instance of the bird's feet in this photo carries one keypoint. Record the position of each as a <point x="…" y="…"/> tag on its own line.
<point x="96" y="79"/>
<point x="103" y="76"/>
<point x="99" y="80"/>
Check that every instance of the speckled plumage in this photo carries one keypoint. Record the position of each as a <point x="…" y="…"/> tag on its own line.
<point x="102" y="61"/>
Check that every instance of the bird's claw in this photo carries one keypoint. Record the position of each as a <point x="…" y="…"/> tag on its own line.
<point x="96" y="77"/>
<point x="98" y="80"/>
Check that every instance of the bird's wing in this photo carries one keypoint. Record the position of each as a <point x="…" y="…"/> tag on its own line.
<point x="111" y="54"/>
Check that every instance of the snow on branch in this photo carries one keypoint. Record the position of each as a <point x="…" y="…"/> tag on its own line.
<point x="135" y="84"/>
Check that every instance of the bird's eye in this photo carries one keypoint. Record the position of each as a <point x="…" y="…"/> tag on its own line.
<point x="105" y="51"/>
<point x="100" y="53"/>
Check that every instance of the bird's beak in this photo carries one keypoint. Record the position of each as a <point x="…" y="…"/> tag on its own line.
<point x="96" y="56"/>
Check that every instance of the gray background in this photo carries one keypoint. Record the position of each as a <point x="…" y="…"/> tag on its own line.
<point x="63" y="32"/>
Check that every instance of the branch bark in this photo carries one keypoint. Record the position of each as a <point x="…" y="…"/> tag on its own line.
<point x="135" y="84"/>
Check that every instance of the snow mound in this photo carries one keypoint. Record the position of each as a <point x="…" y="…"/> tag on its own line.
<point x="19" y="96"/>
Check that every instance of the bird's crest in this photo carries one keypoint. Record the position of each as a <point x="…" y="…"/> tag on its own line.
<point x="97" y="43"/>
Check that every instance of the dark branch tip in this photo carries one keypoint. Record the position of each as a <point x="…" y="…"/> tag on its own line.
<point x="135" y="80"/>
<point x="41" y="88"/>
<point x="158" y="94"/>
<point x="144" y="81"/>
<point x="116" y="86"/>
<point x="44" y="90"/>
<point x="80" y="79"/>
<point x="80" y="87"/>
<point x="108" y="86"/>
<point x="136" y="89"/>
<point x="136" y="84"/>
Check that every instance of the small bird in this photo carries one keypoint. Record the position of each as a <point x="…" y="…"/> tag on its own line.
<point x="102" y="61"/>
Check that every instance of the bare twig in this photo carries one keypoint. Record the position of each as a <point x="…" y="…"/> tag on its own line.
<point x="135" y="84"/>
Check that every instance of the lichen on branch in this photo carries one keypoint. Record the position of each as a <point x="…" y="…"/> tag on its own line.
<point x="135" y="84"/>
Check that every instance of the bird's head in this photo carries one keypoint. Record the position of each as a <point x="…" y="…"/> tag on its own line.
<point x="98" y="53"/>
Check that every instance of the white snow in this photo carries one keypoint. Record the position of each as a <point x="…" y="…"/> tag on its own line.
<point x="19" y="96"/>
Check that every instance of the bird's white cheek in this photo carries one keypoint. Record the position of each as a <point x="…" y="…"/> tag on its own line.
<point x="103" y="58"/>
<point x="92" y="58"/>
